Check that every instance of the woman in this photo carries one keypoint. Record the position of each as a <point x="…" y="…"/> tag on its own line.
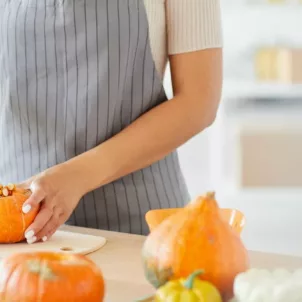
<point x="84" y="116"/>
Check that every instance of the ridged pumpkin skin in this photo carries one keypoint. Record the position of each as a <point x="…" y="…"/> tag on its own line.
<point x="13" y="222"/>
<point x="50" y="277"/>
<point x="195" y="238"/>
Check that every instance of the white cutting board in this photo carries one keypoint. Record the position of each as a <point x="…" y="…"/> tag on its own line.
<point x="61" y="241"/>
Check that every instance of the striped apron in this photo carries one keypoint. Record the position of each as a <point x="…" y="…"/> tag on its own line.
<point x="74" y="73"/>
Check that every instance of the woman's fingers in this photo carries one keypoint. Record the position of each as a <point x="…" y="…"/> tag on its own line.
<point x="48" y="235"/>
<point x="56" y="197"/>
<point x="50" y="227"/>
<point x="43" y="217"/>
<point x="35" y="198"/>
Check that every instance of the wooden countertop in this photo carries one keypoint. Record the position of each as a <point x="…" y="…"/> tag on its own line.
<point x="121" y="263"/>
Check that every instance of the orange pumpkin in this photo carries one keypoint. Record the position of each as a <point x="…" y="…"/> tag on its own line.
<point x="198" y="237"/>
<point x="234" y="217"/>
<point x="13" y="222"/>
<point x="49" y="277"/>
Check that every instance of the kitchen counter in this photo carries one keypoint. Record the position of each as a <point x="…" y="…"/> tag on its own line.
<point x="121" y="263"/>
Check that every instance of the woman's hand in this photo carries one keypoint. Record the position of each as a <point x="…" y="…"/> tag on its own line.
<point x="57" y="193"/>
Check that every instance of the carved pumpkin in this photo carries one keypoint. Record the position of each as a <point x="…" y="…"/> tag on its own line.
<point x="198" y="237"/>
<point x="49" y="277"/>
<point x="13" y="222"/>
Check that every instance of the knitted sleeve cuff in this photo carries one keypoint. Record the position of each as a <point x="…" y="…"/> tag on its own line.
<point x="193" y="25"/>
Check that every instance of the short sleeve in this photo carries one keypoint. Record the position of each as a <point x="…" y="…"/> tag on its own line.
<point x="193" y="25"/>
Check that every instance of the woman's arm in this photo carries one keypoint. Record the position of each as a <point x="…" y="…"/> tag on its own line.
<point x="197" y="83"/>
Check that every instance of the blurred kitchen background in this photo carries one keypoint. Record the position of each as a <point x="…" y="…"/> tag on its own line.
<point x="252" y="155"/>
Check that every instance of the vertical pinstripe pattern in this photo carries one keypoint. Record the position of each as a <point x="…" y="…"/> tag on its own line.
<point x="26" y="90"/>
<point x="74" y="73"/>
<point x="36" y="93"/>
<point x="2" y="95"/>
<point x="46" y="82"/>
<point x="17" y="83"/>
<point x="11" y="117"/>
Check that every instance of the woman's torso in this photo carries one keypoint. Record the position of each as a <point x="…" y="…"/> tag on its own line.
<point x="73" y="73"/>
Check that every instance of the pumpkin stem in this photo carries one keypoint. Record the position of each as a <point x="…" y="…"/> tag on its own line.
<point x="190" y="281"/>
<point x="210" y="195"/>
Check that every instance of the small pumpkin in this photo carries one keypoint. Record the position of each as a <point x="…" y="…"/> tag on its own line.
<point x="13" y="222"/>
<point x="195" y="238"/>
<point x="49" y="277"/>
<point x="183" y="290"/>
